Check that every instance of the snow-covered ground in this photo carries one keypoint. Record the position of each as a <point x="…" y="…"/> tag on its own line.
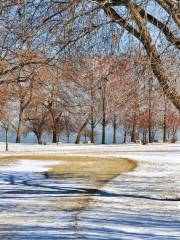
<point x="143" y="204"/>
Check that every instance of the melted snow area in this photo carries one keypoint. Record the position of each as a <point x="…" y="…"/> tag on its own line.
<point x="143" y="204"/>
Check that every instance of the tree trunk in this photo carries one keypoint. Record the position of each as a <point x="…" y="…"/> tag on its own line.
<point x="78" y="139"/>
<point x="163" y="78"/>
<point x="133" y="133"/>
<point x="39" y="138"/>
<point x="156" y="64"/>
<point x="104" y="123"/>
<point x="114" y="131"/>
<point x="150" y="133"/>
<point x="150" y="112"/>
<point x="92" y="131"/>
<point x="174" y="137"/>
<point x="92" y="116"/>
<point x="144" y="137"/>
<point x="55" y="129"/>
<point x="125" y="135"/>
<point x="54" y="140"/>
<point x="164" y="130"/>
<point x="6" y="133"/>
<point x="68" y="138"/>
<point x="18" y="134"/>
<point x="165" y="122"/>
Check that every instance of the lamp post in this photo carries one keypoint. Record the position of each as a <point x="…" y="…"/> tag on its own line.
<point x="103" y="84"/>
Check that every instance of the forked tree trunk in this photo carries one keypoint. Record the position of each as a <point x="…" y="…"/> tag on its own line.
<point x="23" y="106"/>
<point x="78" y="139"/>
<point x="39" y="136"/>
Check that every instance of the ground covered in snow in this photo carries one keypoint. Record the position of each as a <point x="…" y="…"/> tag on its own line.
<point x="142" y="204"/>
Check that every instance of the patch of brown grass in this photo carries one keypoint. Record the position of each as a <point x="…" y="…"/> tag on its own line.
<point x="99" y="169"/>
<point x="94" y="170"/>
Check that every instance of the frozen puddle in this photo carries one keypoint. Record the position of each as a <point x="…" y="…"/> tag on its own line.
<point x="143" y="204"/>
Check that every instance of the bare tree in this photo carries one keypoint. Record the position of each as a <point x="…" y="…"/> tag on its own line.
<point x="60" y="22"/>
<point x="5" y="116"/>
<point x="136" y="22"/>
<point x="37" y="118"/>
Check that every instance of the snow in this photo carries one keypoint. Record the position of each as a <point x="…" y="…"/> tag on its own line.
<point x="30" y="166"/>
<point x="142" y="204"/>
